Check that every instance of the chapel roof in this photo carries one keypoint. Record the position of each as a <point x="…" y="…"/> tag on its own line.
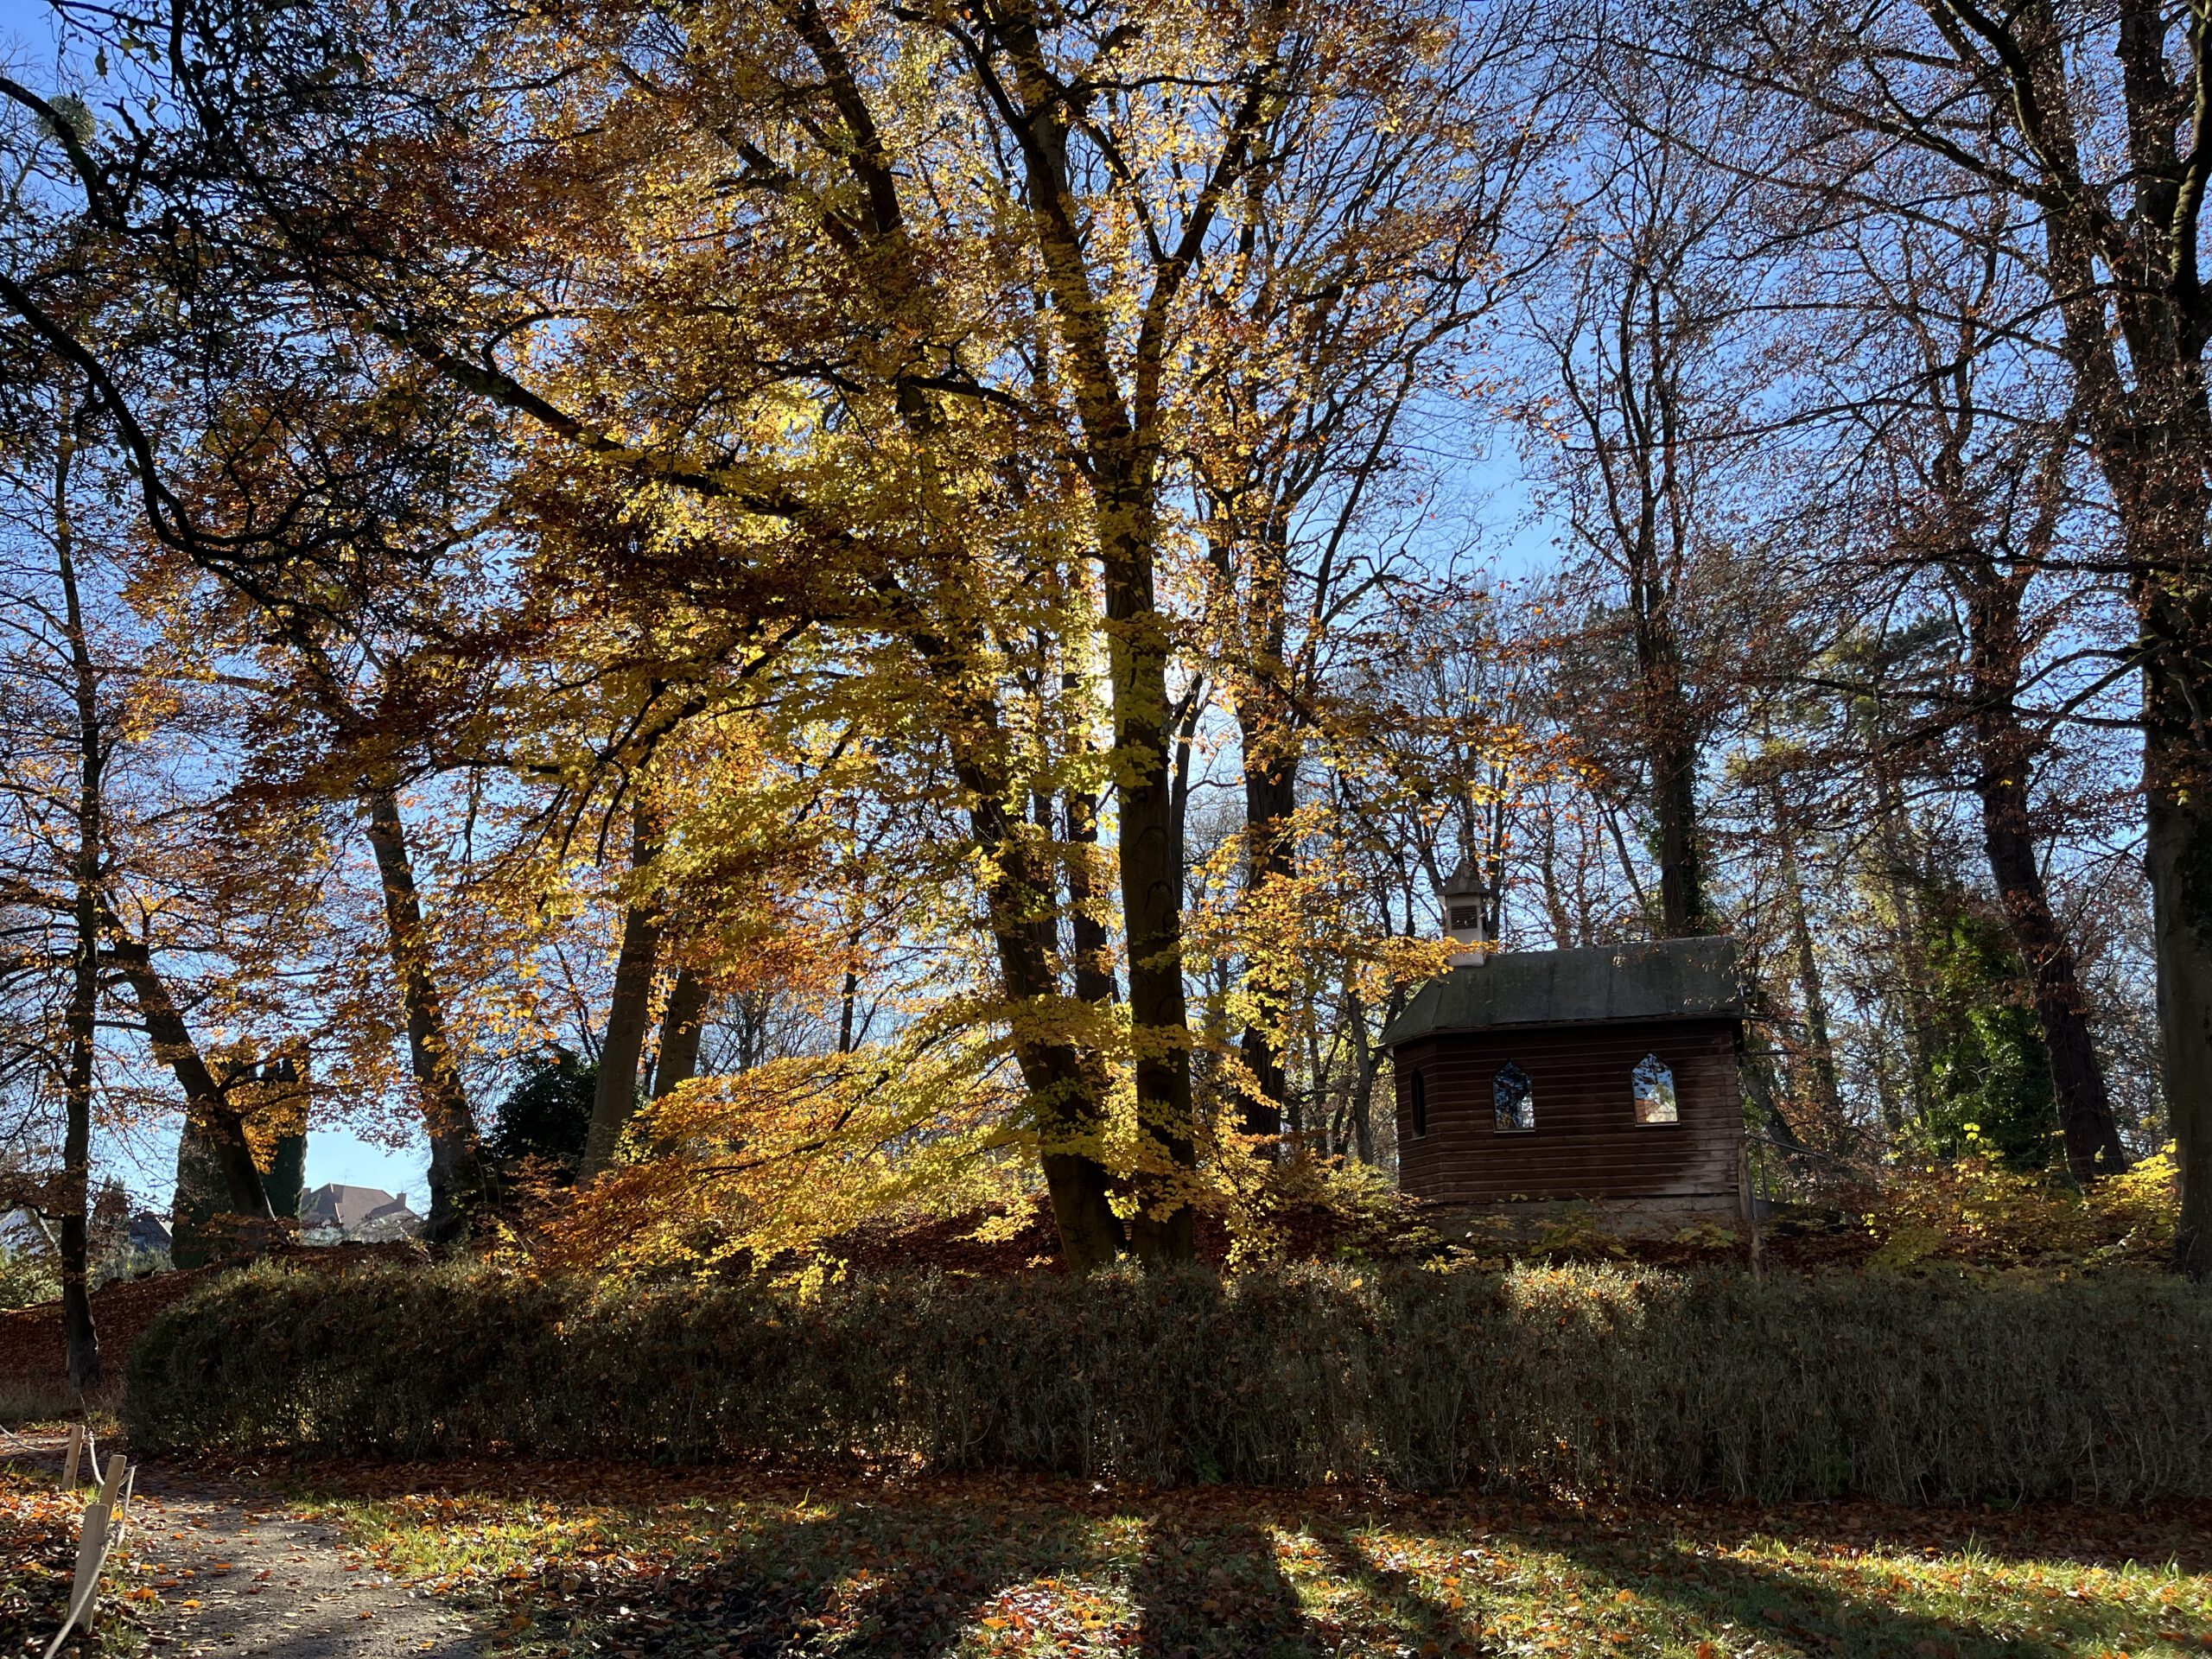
<point x="1600" y="984"/>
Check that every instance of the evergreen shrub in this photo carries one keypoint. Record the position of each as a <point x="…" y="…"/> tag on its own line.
<point x="1583" y="1378"/>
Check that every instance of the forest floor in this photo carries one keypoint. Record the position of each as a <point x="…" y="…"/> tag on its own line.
<point x="565" y="1561"/>
<point x="516" y="1560"/>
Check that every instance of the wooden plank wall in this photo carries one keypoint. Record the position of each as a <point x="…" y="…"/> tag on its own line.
<point x="1587" y="1143"/>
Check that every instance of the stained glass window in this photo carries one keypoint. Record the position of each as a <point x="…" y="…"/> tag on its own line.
<point x="1513" y="1098"/>
<point x="1655" y="1091"/>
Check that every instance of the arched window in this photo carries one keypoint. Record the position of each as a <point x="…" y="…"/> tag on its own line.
<point x="1417" y="1101"/>
<point x="1513" y="1097"/>
<point x="1655" y="1091"/>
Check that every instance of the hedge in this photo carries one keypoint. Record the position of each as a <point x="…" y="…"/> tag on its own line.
<point x="1592" y="1379"/>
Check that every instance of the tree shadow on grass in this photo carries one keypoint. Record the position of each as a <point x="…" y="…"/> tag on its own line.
<point x="862" y="1580"/>
<point x="1214" y="1588"/>
<point x="2179" y="1531"/>
<point x="1800" y="1614"/>
<point x="896" y="1575"/>
<point x="1422" y="1621"/>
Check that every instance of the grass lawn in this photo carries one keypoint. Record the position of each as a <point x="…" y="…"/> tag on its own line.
<point x="572" y="1561"/>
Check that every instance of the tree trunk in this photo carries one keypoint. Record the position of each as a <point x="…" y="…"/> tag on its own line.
<point x="1820" y="1044"/>
<point x="1152" y="894"/>
<point x="81" y="1340"/>
<point x="1122" y="448"/>
<point x="458" y="1183"/>
<point x="2153" y="441"/>
<point x="2179" y="853"/>
<point x="1367" y="1068"/>
<point x="1067" y="1096"/>
<point x="211" y="1125"/>
<point x="1093" y="945"/>
<point x="677" y="1060"/>
<point x="2004" y="751"/>
<point x="1270" y="801"/>
<point x="1066" y="1087"/>
<point x="1672" y="749"/>
<point x="629" y="1012"/>
<point x="2158" y="478"/>
<point x="79" y="1337"/>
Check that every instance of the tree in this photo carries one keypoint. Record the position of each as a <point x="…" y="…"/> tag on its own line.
<point x="1647" y="327"/>
<point x="1048" y="128"/>
<point x="2094" y="128"/>
<point x="1366" y="252"/>
<point x="1971" y="480"/>
<point x="548" y="1114"/>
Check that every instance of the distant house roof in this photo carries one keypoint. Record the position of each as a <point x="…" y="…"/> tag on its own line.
<point x="1603" y="984"/>
<point x="148" y="1231"/>
<point x="348" y="1207"/>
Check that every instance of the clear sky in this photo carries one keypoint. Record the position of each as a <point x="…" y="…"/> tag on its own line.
<point x="28" y="31"/>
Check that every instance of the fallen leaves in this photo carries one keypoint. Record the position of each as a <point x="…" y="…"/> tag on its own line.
<point x="722" y="1562"/>
<point x="39" y="1528"/>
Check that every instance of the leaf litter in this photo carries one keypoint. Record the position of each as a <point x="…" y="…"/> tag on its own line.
<point x="607" y="1562"/>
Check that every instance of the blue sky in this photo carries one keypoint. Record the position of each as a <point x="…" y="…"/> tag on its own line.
<point x="146" y="1163"/>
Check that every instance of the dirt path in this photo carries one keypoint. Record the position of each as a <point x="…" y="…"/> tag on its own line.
<point x="233" y="1572"/>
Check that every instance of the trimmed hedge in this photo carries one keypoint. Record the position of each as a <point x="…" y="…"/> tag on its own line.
<point x="1588" y="1378"/>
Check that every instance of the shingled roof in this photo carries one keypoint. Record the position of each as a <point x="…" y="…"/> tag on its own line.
<point x="1602" y="984"/>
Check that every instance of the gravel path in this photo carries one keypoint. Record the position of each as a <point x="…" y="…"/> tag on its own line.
<point x="233" y="1573"/>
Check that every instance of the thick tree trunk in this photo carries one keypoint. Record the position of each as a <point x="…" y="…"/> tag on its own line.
<point x="1671" y="746"/>
<point x="1065" y="1086"/>
<point x="1270" y="800"/>
<point x="1118" y="414"/>
<point x="2003" y="752"/>
<point x="2179" y="854"/>
<point x="2157" y="477"/>
<point x="79" y="1337"/>
<point x="1152" y="893"/>
<point x="1067" y="1094"/>
<point x="629" y="1013"/>
<point x="676" y="1059"/>
<point x="458" y="1180"/>
<point x="2152" y="441"/>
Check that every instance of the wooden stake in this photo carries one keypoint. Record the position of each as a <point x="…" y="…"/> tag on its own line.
<point x="94" y="1541"/>
<point x="69" y="1459"/>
